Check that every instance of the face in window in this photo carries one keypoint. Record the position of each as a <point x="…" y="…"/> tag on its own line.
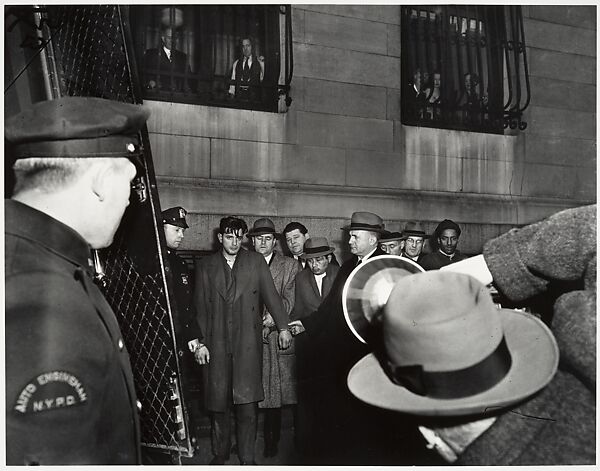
<point x="231" y="241"/>
<point x="167" y="38"/>
<point x="392" y="247"/>
<point x="247" y="47"/>
<point x="173" y="235"/>
<point x="318" y="265"/>
<point x="468" y="83"/>
<point x="362" y="242"/>
<point x="413" y="246"/>
<point x="264" y="244"/>
<point x="295" y="241"/>
<point x="448" y="240"/>
<point x="437" y="80"/>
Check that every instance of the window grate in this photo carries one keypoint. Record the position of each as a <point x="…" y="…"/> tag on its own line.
<point x="464" y="67"/>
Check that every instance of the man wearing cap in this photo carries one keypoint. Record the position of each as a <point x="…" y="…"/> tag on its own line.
<point x="446" y="235"/>
<point x="336" y="348"/>
<point x="186" y="323"/>
<point x="279" y="366"/>
<point x="414" y="236"/>
<point x="231" y="287"/>
<point x="391" y="243"/>
<point x="70" y="397"/>
<point x="312" y="287"/>
<point x="175" y="225"/>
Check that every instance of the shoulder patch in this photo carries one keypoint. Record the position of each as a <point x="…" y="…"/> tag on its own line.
<point x="50" y="390"/>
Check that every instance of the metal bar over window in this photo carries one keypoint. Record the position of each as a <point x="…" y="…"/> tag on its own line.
<point x="464" y="67"/>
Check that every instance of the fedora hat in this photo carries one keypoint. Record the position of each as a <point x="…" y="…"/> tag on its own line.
<point x="387" y="236"/>
<point x="262" y="226"/>
<point x="365" y="221"/>
<point x="413" y="228"/>
<point x="368" y="287"/>
<point x="447" y="350"/>
<point x="316" y="247"/>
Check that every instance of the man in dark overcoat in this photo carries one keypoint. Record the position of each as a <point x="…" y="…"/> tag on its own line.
<point x="165" y="68"/>
<point x="70" y="397"/>
<point x="335" y="350"/>
<point x="231" y="287"/>
<point x="312" y="287"/>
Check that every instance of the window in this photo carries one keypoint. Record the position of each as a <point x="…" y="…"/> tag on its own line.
<point x="456" y="67"/>
<point x="218" y="55"/>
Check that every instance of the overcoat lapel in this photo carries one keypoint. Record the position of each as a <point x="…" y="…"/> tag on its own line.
<point x="242" y="273"/>
<point x="218" y="275"/>
<point x="276" y="266"/>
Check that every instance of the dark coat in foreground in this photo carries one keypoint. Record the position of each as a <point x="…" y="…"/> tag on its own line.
<point x="232" y="325"/>
<point x="70" y="397"/>
<point x="558" y="426"/>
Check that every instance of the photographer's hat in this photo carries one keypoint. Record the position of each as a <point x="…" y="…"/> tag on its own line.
<point x="447" y="350"/>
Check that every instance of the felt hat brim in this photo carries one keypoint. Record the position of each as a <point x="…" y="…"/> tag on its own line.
<point x="361" y="227"/>
<point x="262" y="232"/>
<point x="368" y="288"/>
<point x="306" y="256"/>
<point x="534" y="354"/>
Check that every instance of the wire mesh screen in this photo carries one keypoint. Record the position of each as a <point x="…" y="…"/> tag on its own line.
<point x="88" y="55"/>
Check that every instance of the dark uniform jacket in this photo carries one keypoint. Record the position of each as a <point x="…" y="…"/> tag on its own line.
<point x="231" y="321"/>
<point x="70" y="397"/>
<point x="185" y="310"/>
<point x="184" y="315"/>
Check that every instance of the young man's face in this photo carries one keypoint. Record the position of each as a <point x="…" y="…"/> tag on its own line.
<point x="231" y="241"/>
<point x="413" y="246"/>
<point x="318" y="265"/>
<point x="295" y="241"/>
<point x="264" y="244"/>
<point x="173" y="235"/>
<point x="393" y="247"/>
<point x="447" y="241"/>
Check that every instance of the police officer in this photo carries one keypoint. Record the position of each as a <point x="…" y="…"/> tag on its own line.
<point x="186" y="325"/>
<point x="174" y="224"/>
<point x="70" y="396"/>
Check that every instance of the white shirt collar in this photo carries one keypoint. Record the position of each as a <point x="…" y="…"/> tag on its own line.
<point x="367" y="256"/>
<point x="268" y="258"/>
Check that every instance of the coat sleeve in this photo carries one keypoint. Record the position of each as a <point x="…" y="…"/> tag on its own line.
<point x="300" y="306"/>
<point x="270" y="296"/>
<point x="52" y="329"/>
<point x="288" y="292"/>
<point x="561" y="248"/>
<point x="200" y="301"/>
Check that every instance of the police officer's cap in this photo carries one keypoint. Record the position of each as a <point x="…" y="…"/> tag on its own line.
<point x="70" y="127"/>
<point x="175" y="216"/>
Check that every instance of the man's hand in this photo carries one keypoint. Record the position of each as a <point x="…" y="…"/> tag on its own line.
<point x="265" y="334"/>
<point x="268" y="320"/>
<point x="202" y="355"/>
<point x="296" y="327"/>
<point x="285" y="339"/>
